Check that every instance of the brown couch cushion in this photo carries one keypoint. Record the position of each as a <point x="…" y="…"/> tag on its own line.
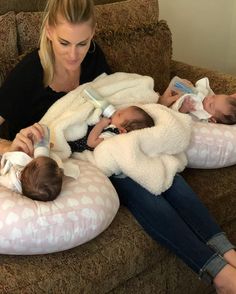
<point x="133" y="51"/>
<point x="21" y="5"/>
<point x="28" y="28"/>
<point x="125" y="15"/>
<point x="32" y="5"/>
<point x="8" y="43"/>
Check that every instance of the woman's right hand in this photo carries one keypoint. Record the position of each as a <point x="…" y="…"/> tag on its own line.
<point x="24" y="140"/>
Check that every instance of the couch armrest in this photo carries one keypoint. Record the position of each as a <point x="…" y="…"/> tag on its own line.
<point x="220" y="82"/>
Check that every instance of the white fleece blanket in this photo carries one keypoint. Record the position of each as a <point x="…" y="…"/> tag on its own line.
<point x="150" y="156"/>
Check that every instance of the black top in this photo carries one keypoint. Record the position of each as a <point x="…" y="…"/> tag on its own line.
<point x="80" y="145"/>
<point x="23" y="97"/>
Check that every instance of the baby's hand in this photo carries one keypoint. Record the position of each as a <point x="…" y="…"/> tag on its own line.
<point x="188" y="105"/>
<point x="93" y="138"/>
<point x="104" y="122"/>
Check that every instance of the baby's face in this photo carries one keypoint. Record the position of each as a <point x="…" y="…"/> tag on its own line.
<point x="123" y="116"/>
<point x="217" y="105"/>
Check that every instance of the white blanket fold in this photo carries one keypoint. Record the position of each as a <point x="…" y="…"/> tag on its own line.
<point x="150" y="156"/>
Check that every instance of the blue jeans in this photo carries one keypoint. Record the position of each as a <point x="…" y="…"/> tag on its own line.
<point x="177" y="219"/>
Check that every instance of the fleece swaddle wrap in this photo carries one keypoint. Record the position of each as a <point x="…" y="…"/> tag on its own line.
<point x="150" y="156"/>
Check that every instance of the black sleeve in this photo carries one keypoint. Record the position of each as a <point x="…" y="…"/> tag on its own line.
<point x="23" y="98"/>
<point x="17" y="89"/>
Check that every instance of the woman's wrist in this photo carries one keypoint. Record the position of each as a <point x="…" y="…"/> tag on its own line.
<point x="163" y="101"/>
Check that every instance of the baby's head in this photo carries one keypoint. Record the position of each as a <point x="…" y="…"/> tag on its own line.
<point x="222" y="108"/>
<point x="41" y="179"/>
<point x="131" y="118"/>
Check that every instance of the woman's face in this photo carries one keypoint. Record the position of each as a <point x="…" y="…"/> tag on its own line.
<point x="70" y="43"/>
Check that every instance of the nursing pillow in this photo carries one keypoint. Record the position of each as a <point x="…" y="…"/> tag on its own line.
<point x="212" y="146"/>
<point x="83" y="210"/>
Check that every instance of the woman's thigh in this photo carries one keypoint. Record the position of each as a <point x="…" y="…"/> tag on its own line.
<point x="191" y="209"/>
<point x="162" y="222"/>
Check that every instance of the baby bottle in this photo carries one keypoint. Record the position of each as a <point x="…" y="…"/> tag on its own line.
<point x="99" y="101"/>
<point x="42" y="147"/>
<point x="180" y="86"/>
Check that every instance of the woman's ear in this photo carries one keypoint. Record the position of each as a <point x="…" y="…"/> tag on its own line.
<point x="122" y="130"/>
<point x="94" y="31"/>
<point x="48" y="31"/>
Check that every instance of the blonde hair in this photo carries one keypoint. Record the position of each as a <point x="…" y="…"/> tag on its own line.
<point x="73" y="11"/>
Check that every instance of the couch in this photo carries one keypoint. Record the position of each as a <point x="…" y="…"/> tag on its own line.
<point x="123" y="259"/>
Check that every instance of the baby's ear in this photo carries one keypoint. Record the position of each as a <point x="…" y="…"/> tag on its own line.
<point x="212" y="120"/>
<point x="122" y="130"/>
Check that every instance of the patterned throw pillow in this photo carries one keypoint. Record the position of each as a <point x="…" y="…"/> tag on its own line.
<point x="83" y="210"/>
<point x="8" y="42"/>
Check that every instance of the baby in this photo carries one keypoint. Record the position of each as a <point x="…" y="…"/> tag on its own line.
<point x="122" y="121"/>
<point x="41" y="179"/>
<point x="38" y="178"/>
<point x="203" y="104"/>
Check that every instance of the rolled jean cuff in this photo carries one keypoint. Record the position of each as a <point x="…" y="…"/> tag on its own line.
<point x="220" y="243"/>
<point x="211" y="268"/>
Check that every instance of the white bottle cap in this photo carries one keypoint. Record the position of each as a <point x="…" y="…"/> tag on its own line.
<point x="41" y="151"/>
<point x="109" y="110"/>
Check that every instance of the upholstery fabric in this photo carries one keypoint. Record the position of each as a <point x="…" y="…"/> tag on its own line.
<point x="220" y="82"/>
<point x="32" y="5"/>
<point x="8" y="42"/>
<point x="28" y="28"/>
<point x="129" y="54"/>
<point x="217" y="190"/>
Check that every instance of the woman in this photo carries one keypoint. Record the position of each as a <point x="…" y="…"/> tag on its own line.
<point x="67" y="58"/>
